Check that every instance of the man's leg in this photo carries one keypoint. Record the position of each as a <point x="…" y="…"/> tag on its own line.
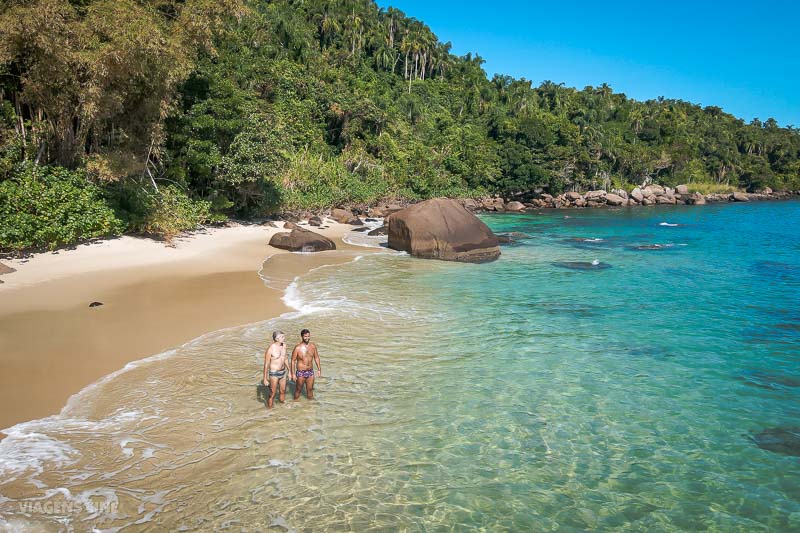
<point x="298" y="386"/>
<point x="282" y="396"/>
<point x="310" y="388"/>
<point x="273" y="388"/>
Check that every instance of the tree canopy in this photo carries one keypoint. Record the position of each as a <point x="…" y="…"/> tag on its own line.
<point x="261" y="106"/>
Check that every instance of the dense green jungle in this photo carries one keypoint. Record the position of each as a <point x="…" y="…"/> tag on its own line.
<point x="157" y="116"/>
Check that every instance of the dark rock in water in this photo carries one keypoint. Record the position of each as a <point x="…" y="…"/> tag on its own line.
<point x="370" y="220"/>
<point x="582" y="265"/>
<point x="766" y="380"/>
<point x="650" y="247"/>
<point x="511" y="237"/>
<point x="301" y="240"/>
<point x="95" y="304"/>
<point x="378" y="231"/>
<point x="783" y="440"/>
<point x="443" y="229"/>
<point x="363" y="228"/>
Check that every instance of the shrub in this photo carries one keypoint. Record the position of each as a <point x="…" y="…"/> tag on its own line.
<point x="52" y="206"/>
<point x="165" y="213"/>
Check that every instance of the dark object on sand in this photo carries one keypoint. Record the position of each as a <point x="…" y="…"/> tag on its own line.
<point x="5" y="269"/>
<point x="362" y="228"/>
<point x="443" y="229"/>
<point x="785" y="441"/>
<point x="582" y="265"/>
<point x="315" y="221"/>
<point x="95" y="304"/>
<point x="301" y="240"/>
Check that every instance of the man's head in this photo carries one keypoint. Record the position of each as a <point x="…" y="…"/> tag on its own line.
<point x="278" y="336"/>
<point x="305" y="335"/>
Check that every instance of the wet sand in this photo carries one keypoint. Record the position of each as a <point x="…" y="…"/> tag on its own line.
<point x="52" y="344"/>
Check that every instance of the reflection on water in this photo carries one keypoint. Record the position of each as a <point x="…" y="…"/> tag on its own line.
<point x="509" y="396"/>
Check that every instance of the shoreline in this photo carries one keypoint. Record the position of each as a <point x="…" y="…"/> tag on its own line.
<point x="154" y="298"/>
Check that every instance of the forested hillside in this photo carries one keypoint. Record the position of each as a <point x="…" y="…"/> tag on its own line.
<point x="158" y="115"/>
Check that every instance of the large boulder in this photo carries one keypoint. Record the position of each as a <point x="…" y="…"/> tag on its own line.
<point x="654" y="190"/>
<point x="301" y="240"/>
<point x="595" y="195"/>
<point x="5" y="269"/>
<point x="682" y="189"/>
<point x="613" y="199"/>
<point x="515" y="206"/>
<point x="573" y="196"/>
<point x="442" y="229"/>
<point x="343" y="216"/>
<point x="637" y="195"/>
<point x="740" y="197"/>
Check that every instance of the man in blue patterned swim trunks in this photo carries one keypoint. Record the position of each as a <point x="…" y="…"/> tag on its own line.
<point x="301" y="366"/>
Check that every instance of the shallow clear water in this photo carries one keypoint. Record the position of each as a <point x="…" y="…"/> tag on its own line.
<point x="515" y="395"/>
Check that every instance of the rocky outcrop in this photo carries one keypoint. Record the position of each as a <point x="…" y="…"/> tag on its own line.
<point x="515" y="206"/>
<point x="343" y="216"/>
<point x="442" y="229"/>
<point x="740" y="197"/>
<point x="301" y="240"/>
<point x="613" y="199"/>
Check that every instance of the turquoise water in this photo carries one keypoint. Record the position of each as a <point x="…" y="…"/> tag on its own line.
<point x="515" y="395"/>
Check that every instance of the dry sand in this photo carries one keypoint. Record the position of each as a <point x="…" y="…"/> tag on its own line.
<point x="52" y="344"/>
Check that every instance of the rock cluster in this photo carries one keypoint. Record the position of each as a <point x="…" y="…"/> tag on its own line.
<point x="646" y="196"/>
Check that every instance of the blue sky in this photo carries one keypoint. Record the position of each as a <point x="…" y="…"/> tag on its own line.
<point x="741" y="56"/>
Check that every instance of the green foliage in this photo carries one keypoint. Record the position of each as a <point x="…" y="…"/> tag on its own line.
<point x="306" y="105"/>
<point x="164" y="213"/>
<point x="52" y="206"/>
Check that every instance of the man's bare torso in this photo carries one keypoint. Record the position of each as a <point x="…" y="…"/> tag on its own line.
<point x="305" y="355"/>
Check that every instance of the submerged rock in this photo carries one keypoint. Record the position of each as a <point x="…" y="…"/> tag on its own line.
<point x="301" y="240"/>
<point x="383" y="230"/>
<point x="511" y="237"/>
<point x="582" y="265"/>
<point x="783" y="440"/>
<point x="442" y="229"/>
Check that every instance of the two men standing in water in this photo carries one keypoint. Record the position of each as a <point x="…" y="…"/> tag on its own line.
<point x="300" y="367"/>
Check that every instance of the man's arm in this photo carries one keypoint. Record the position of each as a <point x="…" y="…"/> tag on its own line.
<point x="266" y="365"/>
<point x="292" y="363"/>
<point x="316" y="358"/>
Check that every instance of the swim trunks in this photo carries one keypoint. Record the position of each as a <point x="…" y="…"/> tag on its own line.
<point x="305" y="373"/>
<point x="280" y="374"/>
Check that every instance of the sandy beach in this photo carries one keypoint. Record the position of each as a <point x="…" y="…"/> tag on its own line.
<point x="155" y="297"/>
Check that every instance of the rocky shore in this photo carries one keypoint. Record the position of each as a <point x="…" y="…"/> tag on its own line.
<point x="639" y="196"/>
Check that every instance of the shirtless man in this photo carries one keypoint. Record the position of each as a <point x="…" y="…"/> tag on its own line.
<point x="275" y="367"/>
<point x="301" y="366"/>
